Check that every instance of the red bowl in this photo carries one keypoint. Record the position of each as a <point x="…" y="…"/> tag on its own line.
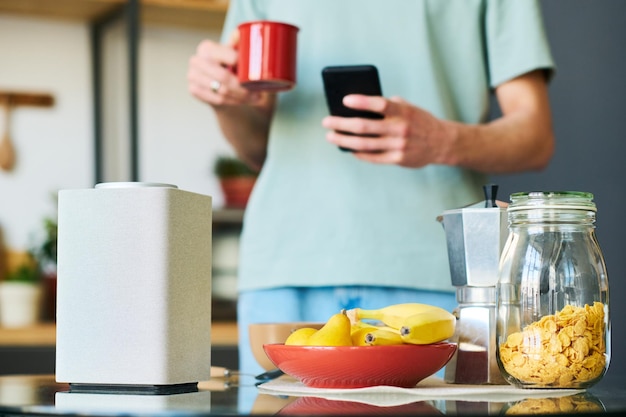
<point x="360" y="366"/>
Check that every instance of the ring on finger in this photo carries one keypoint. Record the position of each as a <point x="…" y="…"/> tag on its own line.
<point x="215" y="86"/>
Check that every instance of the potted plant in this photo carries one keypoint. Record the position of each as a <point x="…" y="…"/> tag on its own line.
<point x="20" y="291"/>
<point x="46" y="256"/>
<point x="236" y="180"/>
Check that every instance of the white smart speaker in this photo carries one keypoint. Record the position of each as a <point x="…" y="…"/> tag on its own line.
<point x="133" y="288"/>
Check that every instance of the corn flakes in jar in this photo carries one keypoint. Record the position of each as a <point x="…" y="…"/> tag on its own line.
<point x="552" y="312"/>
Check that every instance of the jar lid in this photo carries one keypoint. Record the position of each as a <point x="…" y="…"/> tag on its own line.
<point x="570" y="200"/>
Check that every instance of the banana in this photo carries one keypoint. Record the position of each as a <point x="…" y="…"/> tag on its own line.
<point x="360" y="324"/>
<point x="376" y="336"/>
<point x="393" y="315"/>
<point x="432" y="326"/>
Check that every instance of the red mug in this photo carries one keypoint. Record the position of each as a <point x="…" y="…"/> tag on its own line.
<point x="267" y="55"/>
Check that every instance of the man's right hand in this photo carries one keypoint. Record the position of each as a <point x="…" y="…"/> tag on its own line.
<point x="211" y="79"/>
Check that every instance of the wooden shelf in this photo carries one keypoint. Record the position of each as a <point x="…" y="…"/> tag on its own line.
<point x="228" y="216"/>
<point x="40" y="335"/>
<point x="87" y="10"/>
<point x="44" y="334"/>
<point x="197" y="14"/>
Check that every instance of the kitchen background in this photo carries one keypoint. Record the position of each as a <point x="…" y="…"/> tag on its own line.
<point x="178" y="138"/>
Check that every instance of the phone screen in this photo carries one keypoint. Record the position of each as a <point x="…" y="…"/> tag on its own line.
<point x="339" y="81"/>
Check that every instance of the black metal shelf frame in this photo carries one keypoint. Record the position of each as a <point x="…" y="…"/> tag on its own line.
<point x="130" y="11"/>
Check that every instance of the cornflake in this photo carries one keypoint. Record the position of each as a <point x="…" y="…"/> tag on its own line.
<point x="563" y="349"/>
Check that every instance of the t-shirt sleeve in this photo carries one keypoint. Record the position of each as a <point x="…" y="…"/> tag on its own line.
<point x="516" y="40"/>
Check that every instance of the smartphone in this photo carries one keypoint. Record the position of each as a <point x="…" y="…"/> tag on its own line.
<point x="339" y="81"/>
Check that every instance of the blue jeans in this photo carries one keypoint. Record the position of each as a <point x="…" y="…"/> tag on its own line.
<point x="318" y="304"/>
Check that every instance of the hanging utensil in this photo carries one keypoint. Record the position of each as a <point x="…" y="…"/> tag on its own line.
<point x="7" y="151"/>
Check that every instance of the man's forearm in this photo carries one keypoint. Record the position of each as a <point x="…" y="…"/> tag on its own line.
<point x="521" y="140"/>
<point x="247" y="128"/>
<point x="510" y="144"/>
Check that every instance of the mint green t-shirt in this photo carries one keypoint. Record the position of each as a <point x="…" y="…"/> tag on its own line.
<point x="320" y="217"/>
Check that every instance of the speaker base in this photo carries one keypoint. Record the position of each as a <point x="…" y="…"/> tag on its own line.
<point x="134" y="389"/>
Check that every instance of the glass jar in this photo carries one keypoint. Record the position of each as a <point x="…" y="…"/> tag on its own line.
<point x="552" y="326"/>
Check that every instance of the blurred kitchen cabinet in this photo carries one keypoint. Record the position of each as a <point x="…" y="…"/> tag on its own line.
<point x="32" y="350"/>
<point x="227" y="223"/>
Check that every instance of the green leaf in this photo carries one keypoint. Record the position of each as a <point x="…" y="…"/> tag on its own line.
<point x="228" y="167"/>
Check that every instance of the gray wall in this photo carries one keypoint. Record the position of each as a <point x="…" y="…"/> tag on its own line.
<point x="588" y="95"/>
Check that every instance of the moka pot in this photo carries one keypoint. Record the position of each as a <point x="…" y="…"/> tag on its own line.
<point x="475" y="236"/>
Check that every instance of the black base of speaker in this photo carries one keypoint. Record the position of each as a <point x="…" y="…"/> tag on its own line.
<point x="134" y="389"/>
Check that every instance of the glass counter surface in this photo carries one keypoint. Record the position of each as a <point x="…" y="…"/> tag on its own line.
<point x="40" y="395"/>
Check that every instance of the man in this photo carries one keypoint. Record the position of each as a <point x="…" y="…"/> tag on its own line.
<point x="326" y="229"/>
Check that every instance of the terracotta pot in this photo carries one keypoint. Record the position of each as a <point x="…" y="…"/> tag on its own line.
<point x="50" y="296"/>
<point x="237" y="190"/>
